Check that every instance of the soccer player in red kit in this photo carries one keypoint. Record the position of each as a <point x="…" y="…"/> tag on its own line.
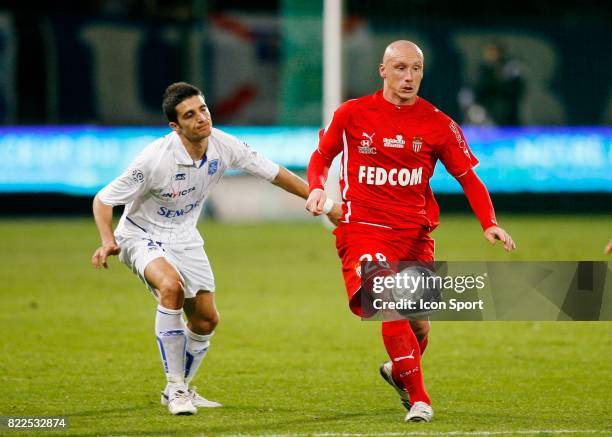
<point x="390" y="142"/>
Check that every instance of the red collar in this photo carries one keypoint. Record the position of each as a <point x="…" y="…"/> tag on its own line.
<point x="379" y="99"/>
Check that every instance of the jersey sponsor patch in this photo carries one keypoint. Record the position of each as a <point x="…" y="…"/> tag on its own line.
<point x="179" y="177"/>
<point x="365" y="147"/>
<point x="395" y="176"/>
<point x="366" y="150"/>
<point x="455" y="128"/>
<point x="395" y="143"/>
<point x="137" y="176"/>
<point x="213" y="166"/>
<point x="174" y="194"/>
<point x="171" y="213"/>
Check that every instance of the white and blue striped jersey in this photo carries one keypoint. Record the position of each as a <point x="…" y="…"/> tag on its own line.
<point x="164" y="189"/>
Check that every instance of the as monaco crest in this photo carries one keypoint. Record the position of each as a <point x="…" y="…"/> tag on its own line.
<point x="417" y="143"/>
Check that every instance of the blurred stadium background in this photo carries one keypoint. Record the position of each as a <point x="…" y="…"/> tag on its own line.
<point x="80" y="88"/>
<point x="80" y="91"/>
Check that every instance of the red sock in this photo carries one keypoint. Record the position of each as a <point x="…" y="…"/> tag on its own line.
<point x="404" y="351"/>
<point x="423" y="344"/>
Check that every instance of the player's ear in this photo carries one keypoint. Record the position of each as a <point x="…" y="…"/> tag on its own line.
<point x="381" y="71"/>
<point x="174" y="126"/>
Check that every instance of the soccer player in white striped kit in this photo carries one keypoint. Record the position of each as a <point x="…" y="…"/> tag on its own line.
<point x="164" y="190"/>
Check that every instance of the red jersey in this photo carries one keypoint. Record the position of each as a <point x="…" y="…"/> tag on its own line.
<point x="389" y="153"/>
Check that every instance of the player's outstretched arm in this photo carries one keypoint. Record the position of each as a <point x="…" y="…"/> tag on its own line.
<point x="103" y="215"/>
<point x="480" y="201"/>
<point x="294" y="184"/>
<point x="291" y="183"/>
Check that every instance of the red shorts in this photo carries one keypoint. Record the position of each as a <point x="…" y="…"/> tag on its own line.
<point x="357" y="242"/>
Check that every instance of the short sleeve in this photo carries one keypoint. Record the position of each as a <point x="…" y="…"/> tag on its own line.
<point x="131" y="184"/>
<point x="249" y="160"/>
<point x="454" y="151"/>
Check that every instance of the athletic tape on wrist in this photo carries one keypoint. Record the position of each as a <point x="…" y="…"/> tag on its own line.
<point x="327" y="207"/>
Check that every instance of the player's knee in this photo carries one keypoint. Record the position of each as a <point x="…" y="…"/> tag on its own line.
<point x="205" y="325"/>
<point x="214" y="321"/>
<point x="420" y="329"/>
<point x="172" y="288"/>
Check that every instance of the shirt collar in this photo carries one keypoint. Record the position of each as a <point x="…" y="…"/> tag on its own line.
<point x="378" y="97"/>
<point x="180" y="153"/>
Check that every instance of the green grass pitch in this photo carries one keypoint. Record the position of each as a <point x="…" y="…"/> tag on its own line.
<point x="288" y="357"/>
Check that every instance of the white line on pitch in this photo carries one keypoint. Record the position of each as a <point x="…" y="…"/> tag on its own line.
<point x="427" y="433"/>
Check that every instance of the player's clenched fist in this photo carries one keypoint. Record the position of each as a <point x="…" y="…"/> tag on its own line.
<point x="318" y="203"/>
<point x="102" y="253"/>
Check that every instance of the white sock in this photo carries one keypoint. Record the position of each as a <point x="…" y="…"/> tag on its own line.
<point x="172" y="341"/>
<point x="197" y="347"/>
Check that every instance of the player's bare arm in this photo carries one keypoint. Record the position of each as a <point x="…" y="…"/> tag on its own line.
<point x="103" y="215"/>
<point x="294" y="184"/>
<point x="317" y="175"/>
<point x="291" y="183"/>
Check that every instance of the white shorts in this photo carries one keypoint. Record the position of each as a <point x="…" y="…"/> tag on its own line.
<point x="189" y="260"/>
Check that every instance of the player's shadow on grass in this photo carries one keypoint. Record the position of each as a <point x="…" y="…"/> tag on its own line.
<point x="99" y="412"/>
<point x="193" y="424"/>
<point x="229" y="415"/>
<point x="280" y="425"/>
